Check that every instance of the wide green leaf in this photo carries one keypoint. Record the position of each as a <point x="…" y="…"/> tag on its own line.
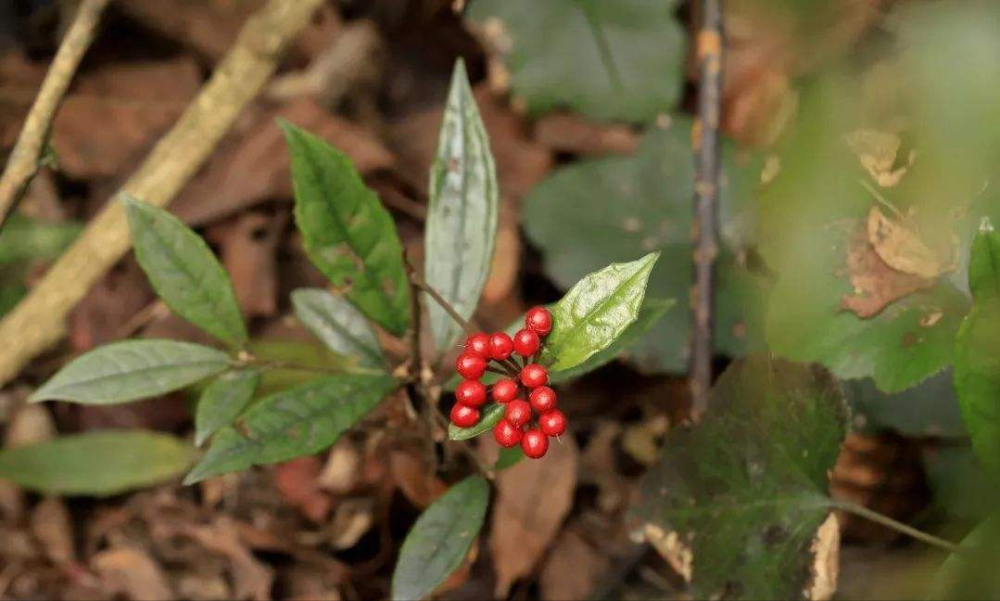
<point x="24" y="239"/>
<point x="596" y="311"/>
<point x="292" y="423"/>
<point x="972" y="573"/>
<point x="338" y="324"/>
<point x="927" y="410"/>
<point x="130" y="370"/>
<point x="596" y="211"/>
<point x="348" y="234"/>
<point x="184" y="272"/>
<point x="223" y="400"/>
<point x="462" y="214"/>
<point x="490" y="415"/>
<point x="610" y="60"/>
<point x="97" y="463"/>
<point x="977" y="353"/>
<point x="745" y="491"/>
<point x="440" y="539"/>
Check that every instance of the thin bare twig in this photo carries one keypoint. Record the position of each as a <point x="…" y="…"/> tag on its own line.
<point x="419" y="282"/>
<point x="706" y="201"/>
<point x="25" y="159"/>
<point x="39" y="320"/>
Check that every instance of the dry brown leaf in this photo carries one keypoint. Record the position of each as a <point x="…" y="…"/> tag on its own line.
<point x="51" y="525"/>
<point x="675" y="551"/>
<point x="249" y="244"/>
<point x="573" y="568"/>
<point x="351" y="520"/>
<point x="30" y="424"/>
<point x="415" y="478"/>
<point x="569" y="132"/>
<point x="877" y="151"/>
<point x="533" y="498"/>
<point x="297" y="481"/>
<point x="133" y="573"/>
<point x="826" y="561"/>
<point x="341" y="472"/>
<point x="898" y="243"/>
<point x="875" y="283"/>
<point x="251" y="578"/>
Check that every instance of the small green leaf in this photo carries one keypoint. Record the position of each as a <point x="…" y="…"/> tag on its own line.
<point x="489" y="417"/>
<point x="293" y="423"/>
<point x="508" y="458"/>
<point x="97" y="463"/>
<point x="338" y="325"/>
<point x="440" y="539"/>
<point x="745" y="491"/>
<point x="130" y="370"/>
<point x="223" y="400"/>
<point x="24" y="239"/>
<point x="972" y="574"/>
<point x="184" y="272"/>
<point x="984" y="264"/>
<point x="651" y="312"/>
<point x="596" y="311"/>
<point x="348" y="234"/>
<point x="462" y="216"/>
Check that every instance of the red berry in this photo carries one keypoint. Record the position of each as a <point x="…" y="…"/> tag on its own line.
<point x="543" y="399"/>
<point x="539" y="320"/>
<point x="471" y="393"/>
<point x="517" y="413"/>
<point x="464" y="416"/>
<point x="470" y="366"/>
<point x="505" y="390"/>
<point x="534" y="444"/>
<point x="478" y="344"/>
<point x="534" y="375"/>
<point x="526" y="343"/>
<point x="501" y="346"/>
<point x="552" y="423"/>
<point x="506" y="434"/>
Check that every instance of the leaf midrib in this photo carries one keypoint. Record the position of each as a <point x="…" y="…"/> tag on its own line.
<point x="137" y="372"/>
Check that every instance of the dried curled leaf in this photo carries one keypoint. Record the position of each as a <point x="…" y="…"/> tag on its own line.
<point x="825" y="549"/>
<point x="876" y="284"/>
<point x="898" y="243"/>
<point x="877" y="151"/>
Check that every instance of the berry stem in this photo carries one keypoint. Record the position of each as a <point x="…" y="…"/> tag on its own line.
<point x="419" y="282"/>
<point x="502" y="372"/>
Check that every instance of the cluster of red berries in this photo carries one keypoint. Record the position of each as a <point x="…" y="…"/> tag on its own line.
<point x="524" y="378"/>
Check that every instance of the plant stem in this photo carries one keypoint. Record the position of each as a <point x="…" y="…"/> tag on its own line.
<point x="706" y="199"/>
<point x="888" y="522"/>
<point x="603" y="47"/>
<point x="419" y="282"/>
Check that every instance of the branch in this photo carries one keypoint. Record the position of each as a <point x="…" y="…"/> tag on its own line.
<point x="39" y="320"/>
<point x="706" y="201"/>
<point x="23" y="163"/>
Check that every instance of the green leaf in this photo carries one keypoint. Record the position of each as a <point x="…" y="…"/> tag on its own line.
<point x="97" y="463"/>
<point x="928" y="410"/>
<point x="462" y="215"/>
<point x="651" y="311"/>
<point x="348" y="234"/>
<point x="508" y="458"/>
<point x="224" y="399"/>
<point x="972" y="574"/>
<point x="184" y="272"/>
<point x="440" y="539"/>
<point x="340" y="326"/>
<point x="596" y="211"/>
<point x="596" y="311"/>
<point x="746" y="489"/>
<point x="977" y="354"/>
<point x="490" y="416"/>
<point x="24" y="239"/>
<point x="598" y="58"/>
<point x="292" y="423"/>
<point x="130" y="370"/>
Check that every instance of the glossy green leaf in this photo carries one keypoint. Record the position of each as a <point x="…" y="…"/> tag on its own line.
<point x="131" y="370"/>
<point x="597" y="58"/>
<point x="97" y="463"/>
<point x="292" y="423"/>
<point x="508" y="458"/>
<point x="652" y="311"/>
<point x="462" y="215"/>
<point x="977" y="353"/>
<point x="338" y="324"/>
<point x="490" y="415"/>
<point x="746" y="489"/>
<point x="596" y="211"/>
<point x="24" y="239"/>
<point x="972" y="574"/>
<point x="223" y="400"/>
<point x="184" y="272"/>
<point x="440" y="539"/>
<point x="596" y="312"/>
<point x="348" y="234"/>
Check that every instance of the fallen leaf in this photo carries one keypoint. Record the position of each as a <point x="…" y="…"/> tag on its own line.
<point x="342" y="470"/>
<point x="572" y="133"/>
<point x="669" y="545"/>
<point x="297" y="481"/>
<point x="533" y="498"/>
<point x="573" y="568"/>
<point x="826" y="561"/>
<point x="877" y="151"/>
<point x="30" y="424"/>
<point x="133" y="573"/>
<point x="351" y="520"/>
<point x="415" y="478"/>
<point x="251" y="578"/>
<point x="876" y="285"/>
<point x="899" y="244"/>
<point x="249" y="244"/>
<point x="51" y="525"/>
